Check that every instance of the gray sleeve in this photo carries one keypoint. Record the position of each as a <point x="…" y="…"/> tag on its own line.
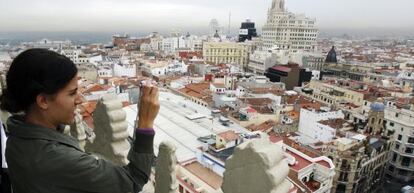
<point x="140" y="167"/>
<point x="82" y="172"/>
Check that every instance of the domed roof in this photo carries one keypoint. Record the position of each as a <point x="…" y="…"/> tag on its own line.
<point x="216" y="35"/>
<point x="377" y="107"/>
<point x="331" y="57"/>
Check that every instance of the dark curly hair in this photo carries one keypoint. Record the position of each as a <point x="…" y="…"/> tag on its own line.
<point x="33" y="72"/>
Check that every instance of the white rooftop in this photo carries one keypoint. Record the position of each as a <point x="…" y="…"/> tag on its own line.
<point x="344" y="141"/>
<point x="359" y="137"/>
<point x="173" y="125"/>
<point x="291" y="92"/>
<point x="303" y="139"/>
<point x="195" y="116"/>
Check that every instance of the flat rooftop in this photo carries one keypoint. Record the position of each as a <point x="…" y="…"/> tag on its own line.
<point x="173" y="125"/>
<point x="206" y="175"/>
<point x="300" y="164"/>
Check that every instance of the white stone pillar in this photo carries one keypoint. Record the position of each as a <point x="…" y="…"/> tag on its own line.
<point x="111" y="140"/>
<point x="166" y="169"/>
<point x="256" y="166"/>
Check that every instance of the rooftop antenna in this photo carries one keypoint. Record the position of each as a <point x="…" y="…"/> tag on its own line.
<point x="228" y="32"/>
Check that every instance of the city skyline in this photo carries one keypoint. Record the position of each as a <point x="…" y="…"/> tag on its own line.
<point x="164" y="16"/>
<point x="322" y="103"/>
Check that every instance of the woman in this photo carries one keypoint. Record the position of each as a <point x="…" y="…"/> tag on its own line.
<point x="42" y="92"/>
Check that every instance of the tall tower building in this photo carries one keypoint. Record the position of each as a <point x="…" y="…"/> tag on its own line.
<point x="278" y="5"/>
<point x="400" y="170"/>
<point x="214" y="27"/>
<point x="287" y="30"/>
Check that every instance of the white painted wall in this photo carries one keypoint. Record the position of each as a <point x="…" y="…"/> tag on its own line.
<point x="309" y="126"/>
<point x="125" y="70"/>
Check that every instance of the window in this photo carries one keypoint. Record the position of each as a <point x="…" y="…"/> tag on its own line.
<point x="411" y="140"/>
<point x="343" y="176"/>
<point x="399" y="137"/>
<point x="408" y="150"/>
<point x="391" y="124"/>
<point x="396" y="114"/>
<point x="341" y="188"/>
<point x="397" y="146"/>
<point x="405" y="161"/>
<point x="402" y="172"/>
<point x="394" y="157"/>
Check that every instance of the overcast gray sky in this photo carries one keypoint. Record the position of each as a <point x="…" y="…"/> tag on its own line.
<point x="159" y="15"/>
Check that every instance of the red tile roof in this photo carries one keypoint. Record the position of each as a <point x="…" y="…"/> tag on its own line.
<point x="198" y="87"/>
<point x="259" y="104"/>
<point x="273" y="90"/>
<point x="204" y="174"/>
<point x="311" y="153"/>
<point x="229" y="135"/>
<point x="301" y="162"/>
<point x="265" y="127"/>
<point x="251" y="110"/>
<point x="334" y="123"/>
<point x="313" y="185"/>
<point x="88" y="108"/>
<point x="304" y="102"/>
<point x="219" y="85"/>
<point x="293" y="114"/>
<point x="190" y="93"/>
<point x="198" y="90"/>
<point x="274" y="137"/>
<point x="324" y="163"/>
<point x="282" y="68"/>
<point x="96" y="88"/>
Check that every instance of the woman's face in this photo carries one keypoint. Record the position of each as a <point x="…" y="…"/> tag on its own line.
<point x="63" y="105"/>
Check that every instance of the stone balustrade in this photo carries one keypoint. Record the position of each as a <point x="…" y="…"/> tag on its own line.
<point x="256" y="166"/>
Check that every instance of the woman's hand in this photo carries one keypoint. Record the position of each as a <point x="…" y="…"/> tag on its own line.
<point x="149" y="106"/>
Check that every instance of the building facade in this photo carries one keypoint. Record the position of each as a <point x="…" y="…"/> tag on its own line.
<point x="359" y="163"/>
<point x="334" y="95"/>
<point x="313" y="61"/>
<point x="309" y="124"/>
<point x="227" y="52"/>
<point x="247" y="31"/>
<point x="260" y="60"/>
<point x="287" y="30"/>
<point x="353" y="72"/>
<point x="401" y="122"/>
<point x="292" y="75"/>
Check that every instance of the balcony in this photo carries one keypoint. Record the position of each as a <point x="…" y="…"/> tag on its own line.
<point x="403" y="153"/>
<point x="400" y="166"/>
<point x="313" y="185"/>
